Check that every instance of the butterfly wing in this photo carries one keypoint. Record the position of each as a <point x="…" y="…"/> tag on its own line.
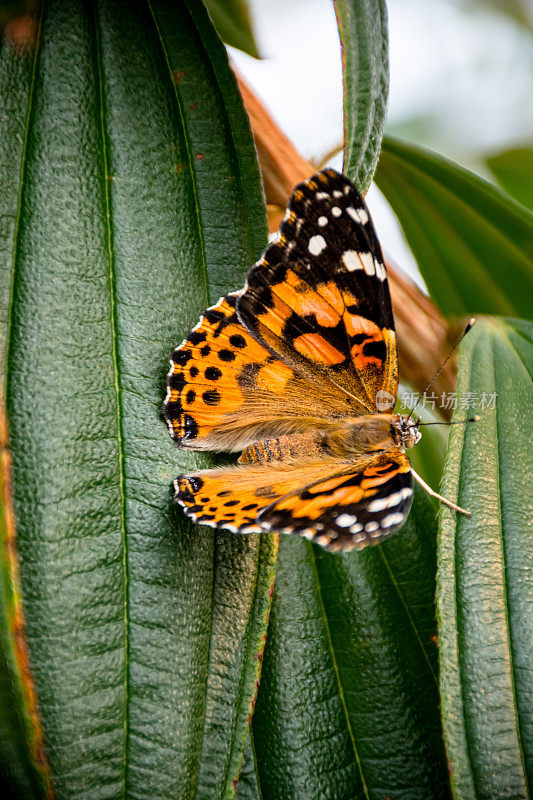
<point x="309" y="341"/>
<point x="232" y="497"/>
<point x="225" y="389"/>
<point x="349" y="510"/>
<point x="319" y="297"/>
<point x="339" y="506"/>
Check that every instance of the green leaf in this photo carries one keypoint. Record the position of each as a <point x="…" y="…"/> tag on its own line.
<point x="134" y="200"/>
<point x="513" y="169"/>
<point x="232" y="20"/>
<point x="472" y="242"/>
<point x="348" y="704"/>
<point x="485" y="593"/>
<point x="20" y="770"/>
<point x="365" y="55"/>
<point x="248" y="786"/>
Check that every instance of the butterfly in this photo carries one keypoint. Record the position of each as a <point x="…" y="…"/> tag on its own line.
<point x="299" y="371"/>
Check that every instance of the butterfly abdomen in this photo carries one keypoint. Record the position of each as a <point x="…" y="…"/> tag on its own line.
<point x="300" y="447"/>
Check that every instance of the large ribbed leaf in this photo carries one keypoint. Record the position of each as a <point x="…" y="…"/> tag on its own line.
<point x="348" y="705"/>
<point x="485" y="587"/>
<point x="473" y="243"/>
<point x="132" y="200"/>
<point x="365" y="56"/>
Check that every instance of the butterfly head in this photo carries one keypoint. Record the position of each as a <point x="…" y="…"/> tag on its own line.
<point x="408" y="432"/>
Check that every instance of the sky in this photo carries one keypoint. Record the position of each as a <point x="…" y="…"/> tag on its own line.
<point x="461" y="83"/>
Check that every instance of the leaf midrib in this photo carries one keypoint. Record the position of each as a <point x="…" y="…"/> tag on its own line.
<point x="325" y="620"/>
<point x="118" y="395"/>
<point x="205" y="275"/>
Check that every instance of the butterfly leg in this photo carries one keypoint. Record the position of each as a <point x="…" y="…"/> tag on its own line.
<point x="430" y="491"/>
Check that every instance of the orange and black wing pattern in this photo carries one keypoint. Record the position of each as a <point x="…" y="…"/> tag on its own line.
<point x="350" y="510"/>
<point x="232" y="497"/>
<point x="319" y="297"/>
<point x="225" y="389"/>
<point x="338" y="506"/>
<point x="305" y="347"/>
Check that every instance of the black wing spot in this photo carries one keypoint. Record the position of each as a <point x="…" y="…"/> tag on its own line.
<point x="191" y="427"/>
<point x="177" y="381"/>
<point x="195" y="337"/>
<point x="213" y="373"/>
<point x="211" y="397"/>
<point x="375" y="349"/>
<point x="181" y="357"/>
<point x="237" y="340"/>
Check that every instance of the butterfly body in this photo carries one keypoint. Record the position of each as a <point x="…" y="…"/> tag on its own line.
<point x="299" y="371"/>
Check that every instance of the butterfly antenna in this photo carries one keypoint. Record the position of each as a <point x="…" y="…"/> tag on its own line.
<point x="475" y="418"/>
<point x="436" y="375"/>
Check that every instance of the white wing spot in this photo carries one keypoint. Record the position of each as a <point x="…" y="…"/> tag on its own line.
<point x="371" y="526"/>
<point x="345" y="520"/>
<point x="322" y="221"/>
<point x="351" y="260"/>
<point x="358" y="215"/>
<point x="368" y="263"/>
<point x="392" y="519"/>
<point x="381" y="271"/>
<point x="378" y="505"/>
<point x="357" y="528"/>
<point x="336" y="211"/>
<point x="387" y="502"/>
<point x="316" y="245"/>
<point x="322" y="196"/>
<point x="336" y="193"/>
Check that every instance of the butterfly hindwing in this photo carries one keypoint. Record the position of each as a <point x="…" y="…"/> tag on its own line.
<point x="350" y="510"/>
<point x="319" y="296"/>
<point x="232" y="497"/>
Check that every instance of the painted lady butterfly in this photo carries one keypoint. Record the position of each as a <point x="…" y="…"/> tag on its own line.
<point x="300" y="371"/>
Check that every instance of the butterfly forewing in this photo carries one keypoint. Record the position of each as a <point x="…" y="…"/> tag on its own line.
<point x="225" y="389"/>
<point x="319" y="297"/>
